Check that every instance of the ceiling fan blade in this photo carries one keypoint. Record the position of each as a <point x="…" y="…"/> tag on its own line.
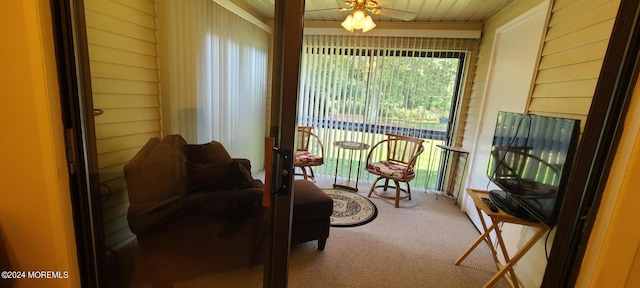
<point x="346" y="3"/>
<point x="325" y="10"/>
<point x="342" y="5"/>
<point x="399" y="14"/>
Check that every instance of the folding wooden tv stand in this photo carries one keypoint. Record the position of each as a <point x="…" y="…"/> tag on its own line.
<point x="497" y="218"/>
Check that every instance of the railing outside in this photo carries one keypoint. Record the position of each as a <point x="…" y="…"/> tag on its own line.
<point x="426" y="169"/>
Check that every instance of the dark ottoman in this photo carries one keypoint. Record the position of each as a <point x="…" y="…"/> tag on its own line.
<point x="312" y="209"/>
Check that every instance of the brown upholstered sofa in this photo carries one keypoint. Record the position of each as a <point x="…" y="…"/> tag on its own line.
<point x="193" y="208"/>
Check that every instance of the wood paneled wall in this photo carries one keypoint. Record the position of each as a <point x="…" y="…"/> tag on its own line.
<point x="572" y="56"/>
<point x="124" y="75"/>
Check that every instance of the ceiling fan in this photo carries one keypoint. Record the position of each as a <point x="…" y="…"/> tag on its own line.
<point x="359" y="19"/>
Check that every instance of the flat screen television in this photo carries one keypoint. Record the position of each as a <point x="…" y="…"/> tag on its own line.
<point x="531" y="158"/>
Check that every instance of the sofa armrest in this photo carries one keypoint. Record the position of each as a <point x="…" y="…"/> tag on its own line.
<point x="248" y="196"/>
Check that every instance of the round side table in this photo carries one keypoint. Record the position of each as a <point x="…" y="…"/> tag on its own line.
<point x="352" y="146"/>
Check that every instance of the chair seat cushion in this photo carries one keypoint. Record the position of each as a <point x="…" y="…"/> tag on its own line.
<point x="306" y="158"/>
<point x="391" y="169"/>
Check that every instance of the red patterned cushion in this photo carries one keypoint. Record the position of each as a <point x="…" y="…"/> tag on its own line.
<point x="306" y="158"/>
<point x="395" y="170"/>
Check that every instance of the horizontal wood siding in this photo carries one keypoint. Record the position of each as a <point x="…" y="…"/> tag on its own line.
<point x="457" y="168"/>
<point x="467" y="89"/>
<point x="124" y="75"/>
<point x="572" y="57"/>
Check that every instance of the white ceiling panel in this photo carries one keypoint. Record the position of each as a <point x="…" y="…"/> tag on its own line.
<point x="426" y="10"/>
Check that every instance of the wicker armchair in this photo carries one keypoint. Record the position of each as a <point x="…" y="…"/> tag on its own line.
<point x="393" y="159"/>
<point x="309" y="152"/>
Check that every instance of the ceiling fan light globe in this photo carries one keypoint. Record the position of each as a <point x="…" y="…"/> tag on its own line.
<point x="368" y="24"/>
<point x="358" y="18"/>
<point x="357" y="24"/>
<point x="348" y="23"/>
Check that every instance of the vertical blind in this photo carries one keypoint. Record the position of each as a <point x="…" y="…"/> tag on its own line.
<point x="359" y="88"/>
<point x="216" y="76"/>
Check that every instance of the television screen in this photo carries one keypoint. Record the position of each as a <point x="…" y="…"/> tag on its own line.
<point x="531" y="157"/>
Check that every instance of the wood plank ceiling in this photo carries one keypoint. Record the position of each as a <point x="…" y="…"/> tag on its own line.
<point x="426" y="10"/>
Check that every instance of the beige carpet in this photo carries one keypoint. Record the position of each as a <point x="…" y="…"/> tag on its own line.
<point x="412" y="246"/>
<point x="415" y="245"/>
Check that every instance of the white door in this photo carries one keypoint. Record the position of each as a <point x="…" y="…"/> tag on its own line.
<point x="514" y="61"/>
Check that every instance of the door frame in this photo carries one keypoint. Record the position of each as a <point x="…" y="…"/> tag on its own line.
<point x="72" y="56"/>
<point x="288" y="34"/>
<point x="599" y="143"/>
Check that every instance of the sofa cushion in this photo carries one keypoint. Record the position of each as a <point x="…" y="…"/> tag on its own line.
<point x="166" y="166"/>
<point x="205" y="201"/>
<point x="212" y="152"/>
<point x="176" y="141"/>
<point x="144" y="152"/>
<point x="219" y="176"/>
<point x="231" y="202"/>
<point x="156" y="179"/>
<point x="246" y="163"/>
<point x="157" y="172"/>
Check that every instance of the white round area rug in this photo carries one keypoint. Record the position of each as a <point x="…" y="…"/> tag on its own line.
<point x="350" y="209"/>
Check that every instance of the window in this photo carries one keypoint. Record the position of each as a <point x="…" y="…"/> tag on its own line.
<point x="360" y="88"/>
